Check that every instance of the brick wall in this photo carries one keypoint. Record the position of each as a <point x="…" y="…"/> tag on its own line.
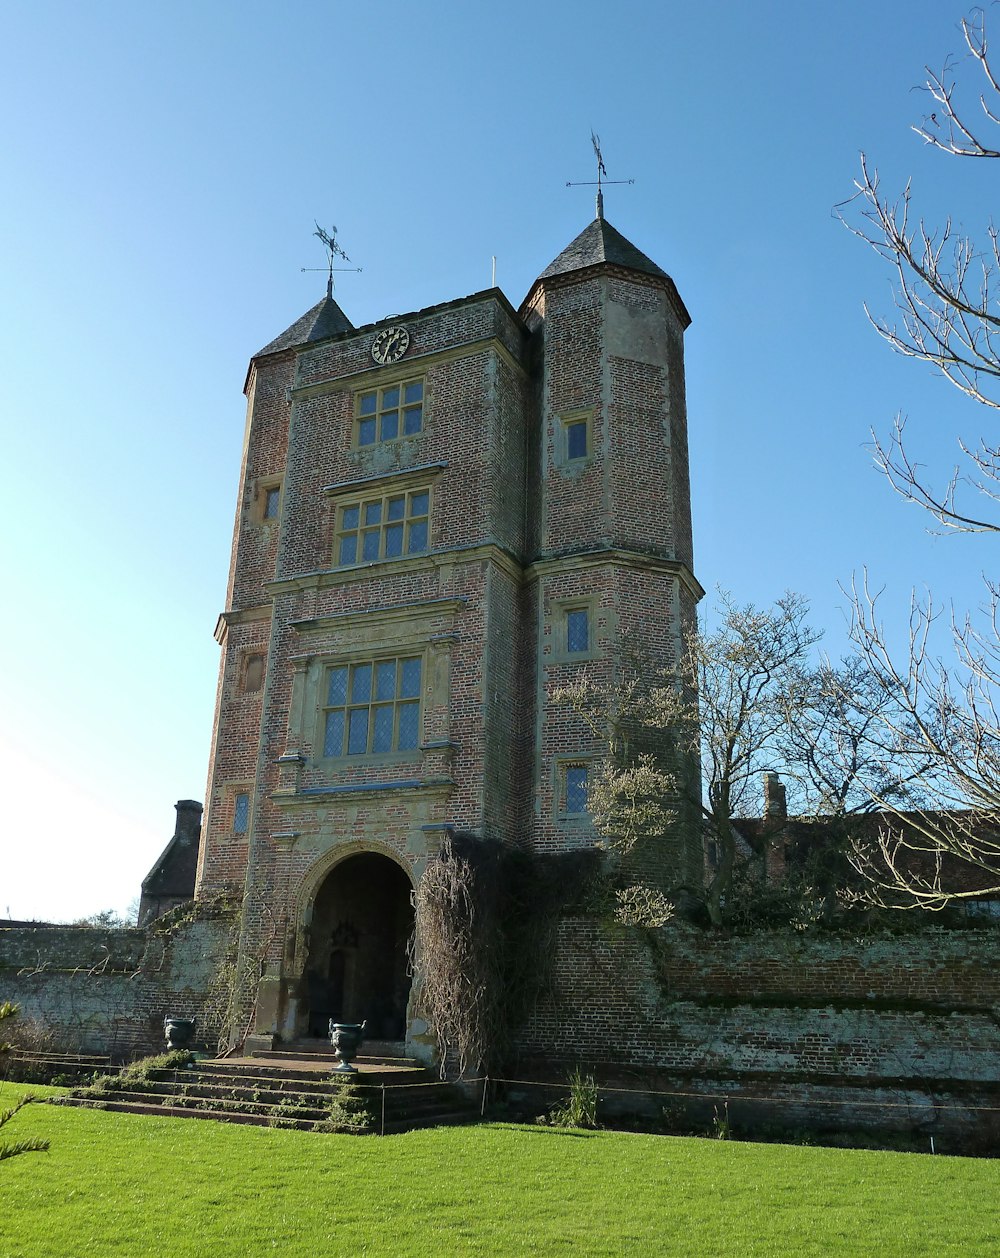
<point x="104" y="991"/>
<point x="887" y="1032"/>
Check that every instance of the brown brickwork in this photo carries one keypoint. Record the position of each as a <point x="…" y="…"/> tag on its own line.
<point x="887" y="1033"/>
<point x="525" y="522"/>
<point x="553" y="450"/>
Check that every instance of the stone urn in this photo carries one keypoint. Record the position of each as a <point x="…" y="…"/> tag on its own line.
<point x="346" y="1039"/>
<point x="179" y="1032"/>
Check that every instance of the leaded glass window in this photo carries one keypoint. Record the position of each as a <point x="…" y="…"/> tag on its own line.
<point x="372" y="708"/>
<point x="241" y="813"/>
<point x="575" y="788"/>
<point x="577" y="630"/>
<point x="383" y="528"/>
<point x="390" y="413"/>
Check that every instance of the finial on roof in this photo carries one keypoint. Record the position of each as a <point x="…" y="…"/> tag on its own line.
<point x="602" y="176"/>
<point x="333" y="250"/>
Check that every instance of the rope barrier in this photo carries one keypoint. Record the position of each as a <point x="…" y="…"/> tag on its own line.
<point x="81" y="1058"/>
<point x="743" y="1096"/>
<point x="561" y="1085"/>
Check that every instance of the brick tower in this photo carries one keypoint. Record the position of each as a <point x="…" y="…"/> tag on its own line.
<point x="443" y="517"/>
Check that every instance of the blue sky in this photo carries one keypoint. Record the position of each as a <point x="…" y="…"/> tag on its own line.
<point x="163" y="166"/>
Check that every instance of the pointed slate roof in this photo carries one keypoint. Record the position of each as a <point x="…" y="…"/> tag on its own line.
<point x="600" y="242"/>
<point x="325" y="319"/>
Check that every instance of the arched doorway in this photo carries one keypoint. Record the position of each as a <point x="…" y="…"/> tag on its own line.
<point x="362" y="920"/>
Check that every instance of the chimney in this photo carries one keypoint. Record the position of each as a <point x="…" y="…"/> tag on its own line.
<point x="775" y="803"/>
<point x="188" y="826"/>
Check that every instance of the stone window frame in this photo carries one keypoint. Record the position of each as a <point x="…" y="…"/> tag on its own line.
<point x="422" y="476"/>
<point x="424" y="628"/>
<point x="559" y="627"/>
<point x="237" y="793"/>
<point x="358" y="659"/>
<point x="362" y="503"/>
<point x="562" y="765"/>
<point x="249" y="659"/>
<point x="379" y="389"/>
<point x="268" y="490"/>
<point x="567" y="421"/>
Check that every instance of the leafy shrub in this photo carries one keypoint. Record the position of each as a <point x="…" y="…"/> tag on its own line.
<point x="580" y="1107"/>
<point x="25" y="1038"/>
<point x="289" y="1110"/>
<point x="348" y="1109"/>
<point x="134" y="1076"/>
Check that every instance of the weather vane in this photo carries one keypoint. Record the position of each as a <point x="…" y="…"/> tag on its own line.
<point x="602" y="176"/>
<point x="333" y="250"/>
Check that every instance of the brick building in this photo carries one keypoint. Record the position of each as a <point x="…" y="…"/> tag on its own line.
<point x="443" y="516"/>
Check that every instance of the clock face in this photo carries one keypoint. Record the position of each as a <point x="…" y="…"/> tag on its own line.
<point x="390" y="345"/>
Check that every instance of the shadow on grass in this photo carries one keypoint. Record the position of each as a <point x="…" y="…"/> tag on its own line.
<point x="542" y="1130"/>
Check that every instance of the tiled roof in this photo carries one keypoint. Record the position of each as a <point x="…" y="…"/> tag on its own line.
<point x="175" y="871"/>
<point x="600" y="242"/>
<point x="325" y="319"/>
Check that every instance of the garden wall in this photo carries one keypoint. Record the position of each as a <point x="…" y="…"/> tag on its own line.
<point x="107" y="991"/>
<point x="797" y="1030"/>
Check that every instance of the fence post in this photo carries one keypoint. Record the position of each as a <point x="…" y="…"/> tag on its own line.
<point x="382" y="1131"/>
<point x="486" y="1084"/>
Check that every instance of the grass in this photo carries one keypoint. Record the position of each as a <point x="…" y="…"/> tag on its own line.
<point x="123" y="1185"/>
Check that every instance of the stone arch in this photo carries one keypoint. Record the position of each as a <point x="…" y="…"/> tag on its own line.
<point x="356" y="918"/>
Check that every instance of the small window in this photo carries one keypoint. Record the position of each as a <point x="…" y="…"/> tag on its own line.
<point x="241" y="813"/>
<point x="989" y="909"/>
<point x="391" y="413"/>
<point x="382" y="528"/>
<point x="576" y="439"/>
<point x="577" y="631"/>
<point x="272" y="497"/>
<point x="253" y="676"/>
<point x="372" y="708"/>
<point x="574" y="789"/>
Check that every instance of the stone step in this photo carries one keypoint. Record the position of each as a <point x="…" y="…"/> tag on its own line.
<point x="320" y="1072"/>
<point x="422" y="1098"/>
<point x="393" y="1125"/>
<point x="252" y="1090"/>
<point x="304" y="1081"/>
<point x="321" y="1047"/>
<point x="368" y="1057"/>
<point x="122" y="1106"/>
<point x="225" y="1093"/>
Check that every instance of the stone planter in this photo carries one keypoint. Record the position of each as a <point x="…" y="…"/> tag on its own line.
<point x="179" y="1032"/>
<point x="346" y="1039"/>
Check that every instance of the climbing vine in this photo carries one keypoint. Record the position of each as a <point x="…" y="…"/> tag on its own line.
<point x="485" y="914"/>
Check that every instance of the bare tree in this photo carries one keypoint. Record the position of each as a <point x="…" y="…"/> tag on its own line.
<point x="945" y="293"/>
<point x="942" y="723"/>
<point x="725" y="707"/>
<point x="836" y="748"/>
<point x="943" y="726"/>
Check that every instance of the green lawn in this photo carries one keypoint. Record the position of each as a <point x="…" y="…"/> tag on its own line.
<point x="114" y="1185"/>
